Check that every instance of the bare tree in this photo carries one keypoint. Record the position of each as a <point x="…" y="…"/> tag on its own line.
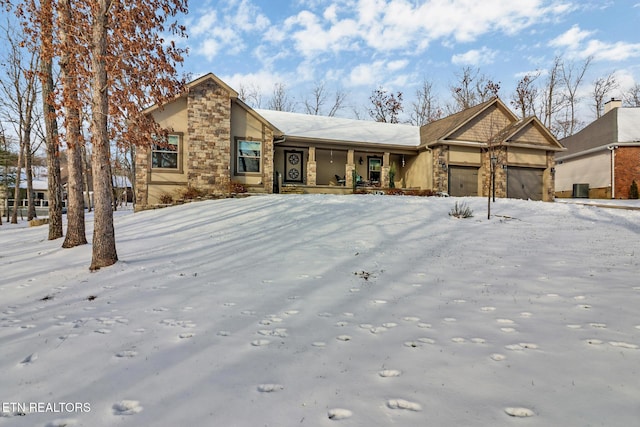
<point x="44" y="20"/>
<point x="551" y="100"/>
<point x="19" y="95"/>
<point x="69" y="32"/>
<point x="526" y="95"/>
<point x="386" y="106"/>
<point x="250" y="95"/>
<point x="632" y="96"/>
<point x="320" y="96"/>
<point x="280" y="100"/>
<point x="472" y="88"/>
<point x="425" y="108"/>
<point x="572" y="75"/>
<point x="602" y="87"/>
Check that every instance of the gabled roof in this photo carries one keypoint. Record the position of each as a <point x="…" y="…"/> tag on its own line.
<point x="620" y="126"/>
<point x="194" y="83"/>
<point x="439" y="130"/>
<point x="509" y="136"/>
<point x="341" y="130"/>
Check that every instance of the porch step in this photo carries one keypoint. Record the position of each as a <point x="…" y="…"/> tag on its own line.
<point x="291" y="190"/>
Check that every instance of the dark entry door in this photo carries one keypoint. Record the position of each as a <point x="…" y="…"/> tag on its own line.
<point x="463" y="181"/>
<point x="524" y="183"/>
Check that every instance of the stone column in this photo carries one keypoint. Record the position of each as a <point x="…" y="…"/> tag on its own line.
<point x="349" y="168"/>
<point x="384" y="173"/>
<point x="311" y="167"/>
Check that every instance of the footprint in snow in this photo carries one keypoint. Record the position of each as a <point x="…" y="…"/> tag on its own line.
<point x="449" y="319"/>
<point x="593" y="341"/>
<point x="339" y="414"/>
<point x="388" y="373"/>
<point x="126" y="407"/>
<point x="224" y="333"/>
<point x="126" y="353"/>
<point x="598" y="325"/>
<point x="343" y="338"/>
<point x="411" y="318"/>
<point x="488" y="309"/>
<point x="403" y="404"/>
<point x="424" y="325"/>
<point x="270" y="388"/>
<point x="379" y="301"/>
<point x="458" y="340"/>
<point x="508" y="330"/>
<point x="29" y="359"/>
<point x="186" y="335"/>
<point x="623" y="345"/>
<point x="574" y="326"/>
<point x="478" y="340"/>
<point x="320" y="344"/>
<point x="378" y="329"/>
<point x="526" y="314"/>
<point x="519" y="412"/>
<point x="498" y="357"/>
<point x="103" y="331"/>
<point x="505" y="321"/>
<point x="260" y="343"/>
<point x="62" y="422"/>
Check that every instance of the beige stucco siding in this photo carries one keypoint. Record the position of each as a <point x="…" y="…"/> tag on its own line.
<point x="246" y="126"/>
<point x="461" y="155"/>
<point x="418" y="171"/>
<point x="173" y="117"/>
<point x="527" y="157"/>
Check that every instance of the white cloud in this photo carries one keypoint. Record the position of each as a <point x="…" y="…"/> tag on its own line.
<point x="577" y="44"/>
<point x="475" y="57"/>
<point x="571" y="38"/>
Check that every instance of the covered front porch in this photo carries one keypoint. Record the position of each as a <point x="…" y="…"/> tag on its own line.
<point x="339" y="170"/>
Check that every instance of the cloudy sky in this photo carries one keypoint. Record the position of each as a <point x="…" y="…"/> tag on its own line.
<point x="358" y="45"/>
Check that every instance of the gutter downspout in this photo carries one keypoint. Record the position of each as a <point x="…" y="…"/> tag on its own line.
<point x="612" y="149"/>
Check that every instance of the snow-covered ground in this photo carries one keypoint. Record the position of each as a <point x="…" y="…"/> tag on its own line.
<point x="328" y="310"/>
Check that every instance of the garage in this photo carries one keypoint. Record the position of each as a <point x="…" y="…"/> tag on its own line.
<point x="463" y="181"/>
<point x="524" y="183"/>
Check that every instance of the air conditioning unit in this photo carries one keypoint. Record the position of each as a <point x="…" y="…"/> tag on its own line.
<point x="580" y="191"/>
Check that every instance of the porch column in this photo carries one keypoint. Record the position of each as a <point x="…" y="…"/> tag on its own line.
<point x="384" y="173"/>
<point x="349" y="168"/>
<point x="311" y="167"/>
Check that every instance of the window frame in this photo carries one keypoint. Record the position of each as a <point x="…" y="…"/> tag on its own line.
<point x="156" y="148"/>
<point x="238" y="157"/>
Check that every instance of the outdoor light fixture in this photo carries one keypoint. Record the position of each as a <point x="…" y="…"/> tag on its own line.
<point x="403" y="160"/>
<point x="360" y="161"/>
<point x="443" y="165"/>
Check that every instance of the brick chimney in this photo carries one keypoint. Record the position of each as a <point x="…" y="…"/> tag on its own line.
<point x="612" y="104"/>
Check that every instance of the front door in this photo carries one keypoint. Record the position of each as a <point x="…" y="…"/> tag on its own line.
<point x="375" y="170"/>
<point x="293" y="166"/>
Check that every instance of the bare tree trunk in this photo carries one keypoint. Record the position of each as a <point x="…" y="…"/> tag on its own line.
<point x="28" y="168"/>
<point x="76" y="234"/>
<point x="104" y="239"/>
<point x="54" y="181"/>
<point x="16" y="189"/>
<point x="85" y="165"/>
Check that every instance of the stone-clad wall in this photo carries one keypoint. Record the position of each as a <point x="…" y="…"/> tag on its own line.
<point x="142" y="175"/>
<point x="208" y="138"/>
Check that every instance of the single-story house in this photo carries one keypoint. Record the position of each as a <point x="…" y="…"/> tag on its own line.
<point x="603" y="159"/>
<point x="216" y="140"/>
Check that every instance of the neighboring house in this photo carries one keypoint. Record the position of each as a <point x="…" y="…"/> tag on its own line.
<point x="216" y="140"/>
<point x="603" y="159"/>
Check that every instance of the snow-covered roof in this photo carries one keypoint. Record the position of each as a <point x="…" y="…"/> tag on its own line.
<point x="342" y="130"/>
<point x="628" y="124"/>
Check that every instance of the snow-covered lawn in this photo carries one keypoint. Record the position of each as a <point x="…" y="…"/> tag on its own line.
<point x="328" y="310"/>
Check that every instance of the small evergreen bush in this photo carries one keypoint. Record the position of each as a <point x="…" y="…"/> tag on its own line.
<point x="461" y="210"/>
<point x="633" y="191"/>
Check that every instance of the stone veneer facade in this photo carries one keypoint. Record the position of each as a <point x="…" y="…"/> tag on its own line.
<point x="208" y="138"/>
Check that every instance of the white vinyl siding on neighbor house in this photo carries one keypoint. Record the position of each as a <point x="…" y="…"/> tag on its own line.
<point x="593" y="169"/>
